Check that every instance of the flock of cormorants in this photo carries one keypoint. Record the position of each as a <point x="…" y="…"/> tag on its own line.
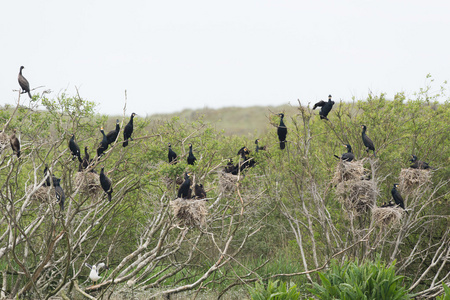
<point x="185" y="191"/>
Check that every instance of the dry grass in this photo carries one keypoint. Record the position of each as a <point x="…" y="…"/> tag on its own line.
<point x="357" y="196"/>
<point x="411" y="179"/>
<point x="227" y="182"/>
<point x="88" y="182"/>
<point x="346" y="171"/>
<point x="190" y="212"/>
<point x="387" y="216"/>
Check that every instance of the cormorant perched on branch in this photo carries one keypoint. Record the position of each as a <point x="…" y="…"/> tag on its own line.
<point x="183" y="191"/>
<point x="15" y="143"/>
<point x="103" y="144"/>
<point x="74" y="149"/>
<point x="259" y="147"/>
<point x="349" y="156"/>
<point x="59" y="193"/>
<point x="191" y="158"/>
<point x="172" y="155"/>
<point x="418" y="164"/>
<point x="199" y="191"/>
<point x="231" y="168"/>
<point x="128" y="131"/>
<point x="367" y="141"/>
<point x="24" y="85"/>
<point x="282" y="132"/>
<point x="325" y="107"/>
<point x="397" y="197"/>
<point x="106" y="184"/>
<point x="112" y="135"/>
<point x="247" y="162"/>
<point x="86" y="162"/>
<point x="48" y="181"/>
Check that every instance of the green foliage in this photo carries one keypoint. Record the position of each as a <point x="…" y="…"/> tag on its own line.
<point x="369" y="280"/>
<point x="446" y="295"/>
<point x="274" y="291"/>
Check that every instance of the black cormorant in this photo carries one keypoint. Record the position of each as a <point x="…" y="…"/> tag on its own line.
<point x="348" y="156"/>
<point x="59" y="193"/>
<point x="106" y="184"/>
<point x="282" y="132"/>
<point x="183" y="191"/>
<point x="418" y="164"/>
<point x="199" y="191"/>
<point x="23" y="82"/>
<point x="103" y="144"/>
<point x="112" y="135"/>
<point x="191" y="158"/>
<point x="172" y="155"/>
<point x="74" y="149"/>
<point x="258" y="147"/>
<point x="15" y="143"/>
<point x="367" y="141"/>
<point x="128" y="131"/>
<point x="49" y="179"/>
<point x="397" y="197"/>
<point x="325" y="107"/>
<point x="231" y="168"/>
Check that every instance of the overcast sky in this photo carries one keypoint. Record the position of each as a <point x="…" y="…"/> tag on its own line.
<point x="171" y="55"/>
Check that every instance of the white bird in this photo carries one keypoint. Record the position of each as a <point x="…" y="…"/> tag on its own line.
<point x="93" y="275"/>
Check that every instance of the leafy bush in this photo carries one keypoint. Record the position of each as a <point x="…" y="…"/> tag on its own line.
<point x="446" y="295"/>
<point x="274" y="291"/>
<point x="353" y="281"/>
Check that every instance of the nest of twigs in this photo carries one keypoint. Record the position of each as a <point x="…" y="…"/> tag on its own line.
<point x="357" y="196"/>
<point x="387" y="216"/>
<point x="42" y="194"/>
<point x="227" y="182"/>
<point x="346" y="171"/>
<point x="411" y="179"/>
<point x="88" y="182"/>
<point x="189" y="212"/>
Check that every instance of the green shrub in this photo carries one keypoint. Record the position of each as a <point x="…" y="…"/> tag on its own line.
<point x="370" y="280"/>
<point x="446" y="295"/>
<point x="274" y="291"/>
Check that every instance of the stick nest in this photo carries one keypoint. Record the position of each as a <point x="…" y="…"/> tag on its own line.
<point x="88" y="182"/>
<point x="411" y="179"/>
<point x="42" y="194"/>
<point x="358" y="196"/>
<point x="387" y="216"/>
<point x="346" y="171"/>
<point x="189" y="212"/>
<point x="227" y="182"/>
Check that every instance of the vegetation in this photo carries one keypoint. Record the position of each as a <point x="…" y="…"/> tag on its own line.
<point x="281" y="221"/>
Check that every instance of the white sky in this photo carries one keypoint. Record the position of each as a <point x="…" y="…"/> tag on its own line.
<point x="171" y="55"/>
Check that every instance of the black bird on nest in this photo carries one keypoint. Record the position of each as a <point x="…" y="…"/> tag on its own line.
<point x="103" y="146"/>
<point x="282" y="132"/>
<point x="258" y="147"/>
<point x="191" y="158"/>
<point x="74" y="148"/>
<point x="106" y="184"/>
<point x="49" y="179"/>
<point x="86" y="161"/>
<point x="60" y="196"/>
<point x="325" y="107"/>
<point x="348" y="156"/>
<point x="199" y="191"/>
<point x="15" y="143"/>
<point x="128" y="131"/>
<point x="185" y="189"/>
<point x="23" y="82"/>
<point x="172" y="155"/>
<point x="112" y="135"/>
<point x="397" y="197"/>
<point x="418" y="164"/>
<point x="231" y="168"/>
<point x="367" y="141"/>
<point x="247" y="162"/>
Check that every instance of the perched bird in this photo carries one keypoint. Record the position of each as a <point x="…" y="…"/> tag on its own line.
<point x="103" y="144"/>
<point x="172" y="155"/>
<point x="418" y="164"/>
<point x="199" y="191"/>
<point x="191" y="158"/>
<point x="282" y="132"/>
<point x="258" y="147"/>
<point x="93" y="275"/>
<point x="128" y="131"/>
<point x="397" y="197"/>
<point x="74" y="149"/>
<point x="348" y="156"/>
<point x="106" y="184"/>
<point x="59" y="193"/>
<point x="325" y="107"/>
<point x="85" y="162"/>
<point x="231" y="168"/>
<point x="183" y="191"/>
<point x="49" y="179"/>
<point x="112" y="135"/>
<point x="367" y="141"/>
<point x="15" y="143"/>
<point x="24" y="85"/>
<point x="248" y="162"/>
